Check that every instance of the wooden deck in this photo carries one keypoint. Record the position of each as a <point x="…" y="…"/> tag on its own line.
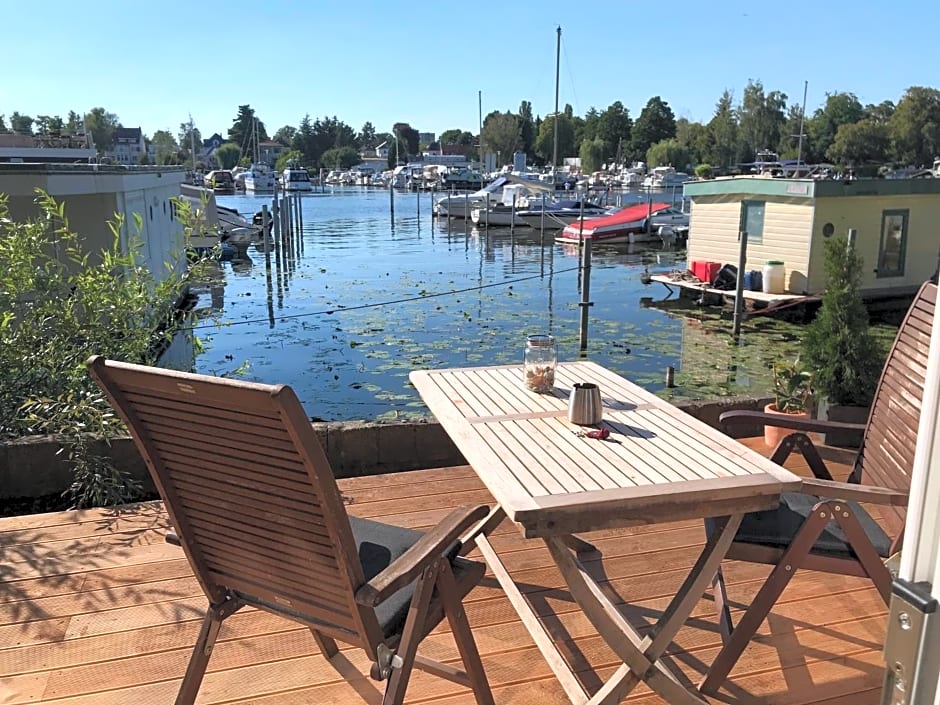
<point x="95" y="609"/>
<point x="750" y="297"/>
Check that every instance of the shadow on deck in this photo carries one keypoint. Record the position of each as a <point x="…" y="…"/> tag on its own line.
<point x="96" y="609"/>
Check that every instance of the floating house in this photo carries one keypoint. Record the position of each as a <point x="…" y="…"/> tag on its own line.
<point x="897" y="224"/>
<point x="93" y="193"/>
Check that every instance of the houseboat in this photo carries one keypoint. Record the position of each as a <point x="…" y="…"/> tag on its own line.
<point x="788" y="221"/>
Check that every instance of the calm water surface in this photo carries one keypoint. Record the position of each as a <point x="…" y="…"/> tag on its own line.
<point x="368" y="298"/>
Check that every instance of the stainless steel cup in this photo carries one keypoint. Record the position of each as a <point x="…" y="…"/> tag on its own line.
<point x="584" y="404"/>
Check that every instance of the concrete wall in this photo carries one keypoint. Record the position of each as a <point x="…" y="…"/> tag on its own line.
<point x="788" y="224"/>
<point x="33" y="467"/>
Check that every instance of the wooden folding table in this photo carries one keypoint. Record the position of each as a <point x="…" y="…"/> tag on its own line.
<point x="658" y="465"/>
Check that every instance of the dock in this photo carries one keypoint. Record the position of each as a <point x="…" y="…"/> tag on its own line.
<point x="753" y="300"/>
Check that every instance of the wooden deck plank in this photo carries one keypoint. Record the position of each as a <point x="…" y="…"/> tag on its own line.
<point x="117" y="624"/>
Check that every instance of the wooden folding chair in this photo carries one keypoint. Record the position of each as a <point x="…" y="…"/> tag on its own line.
<point x="251" y="494"/>
<point x="823" y="527"/>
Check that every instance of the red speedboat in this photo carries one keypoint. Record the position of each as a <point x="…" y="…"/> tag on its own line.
<point x="626" y="225"/>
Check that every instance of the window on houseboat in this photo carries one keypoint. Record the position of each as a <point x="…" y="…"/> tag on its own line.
<point x="752" y="220"/>
<point x="893" y="243"/>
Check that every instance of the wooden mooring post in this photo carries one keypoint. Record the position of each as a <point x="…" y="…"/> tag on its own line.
<point x="739" y="292"/>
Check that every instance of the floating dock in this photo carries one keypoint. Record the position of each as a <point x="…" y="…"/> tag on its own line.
<point x="693" y="288"/>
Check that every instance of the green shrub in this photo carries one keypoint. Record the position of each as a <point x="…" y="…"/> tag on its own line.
<point x="839" y="346"/>
<point x="60" y="304"/>
<point x="703" y="171"/>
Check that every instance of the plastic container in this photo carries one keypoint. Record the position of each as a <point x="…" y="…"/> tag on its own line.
<point x="705" y="270"/>
<point x="753" y="280"/>
<point x="540" y="361"/>
<point x="774" y="277"/>
<point x="727" y="278"/>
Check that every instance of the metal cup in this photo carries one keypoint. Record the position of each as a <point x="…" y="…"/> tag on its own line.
<point x="584" y="404"/>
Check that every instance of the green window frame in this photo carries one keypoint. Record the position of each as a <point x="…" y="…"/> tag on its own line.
<point x="892" y="246"/>
<point x="752" y="220"/>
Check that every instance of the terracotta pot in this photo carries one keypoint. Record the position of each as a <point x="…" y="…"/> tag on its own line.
<point x="774" y="434"/>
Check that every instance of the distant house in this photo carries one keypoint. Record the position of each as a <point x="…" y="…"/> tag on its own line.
<point x="382" y="151"/>
<point x="433" y="150"/>
<point x="213" y="142"/>
<point x="207" y="154"/>
<point x="46" y="148"/>
<point x="426" y="137"/>
<point x="270" y="150"/>
<point x="128" y="146"/>
<point x="788" y="220"/>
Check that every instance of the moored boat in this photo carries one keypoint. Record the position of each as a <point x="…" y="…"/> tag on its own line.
<point x="259" y="178"/>
<point x="558" y="214"/>
<point x="296" y="178"/>
<point x="626" y="225"/>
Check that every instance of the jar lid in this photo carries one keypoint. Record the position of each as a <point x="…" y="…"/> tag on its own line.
<point x="540" y="341"/>
<point x="773" y="261"/>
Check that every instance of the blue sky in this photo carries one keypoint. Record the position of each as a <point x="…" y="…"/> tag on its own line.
<point x="423" y="62"/>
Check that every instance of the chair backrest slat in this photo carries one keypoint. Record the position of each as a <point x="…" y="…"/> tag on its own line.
<point x="248" y="487"/>
<point x="887" y="456"/>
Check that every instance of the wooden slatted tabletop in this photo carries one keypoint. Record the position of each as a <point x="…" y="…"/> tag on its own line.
<point x="659" y="464"/>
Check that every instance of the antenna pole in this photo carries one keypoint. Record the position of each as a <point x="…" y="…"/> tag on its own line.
<point x="482" y="155"/>
<point x="799" y="146"/>
<point x="557" y="70"/>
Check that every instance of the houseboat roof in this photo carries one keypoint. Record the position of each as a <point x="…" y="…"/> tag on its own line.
<point x="809" y="188"/>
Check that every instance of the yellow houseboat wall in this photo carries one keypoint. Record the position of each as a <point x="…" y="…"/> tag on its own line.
<point x="788" y="226"/>
<point x="864" y="213"/>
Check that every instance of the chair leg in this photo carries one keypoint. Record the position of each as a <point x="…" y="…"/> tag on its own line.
<point x="460" y="626"/>
<point x="871" y="562"/>
<point x="200" y="658"/>
<point x="720" y="595"/>
<point x="404" y="660"/>
<point x="764" y="600"/>
<point x="326" y="645"/>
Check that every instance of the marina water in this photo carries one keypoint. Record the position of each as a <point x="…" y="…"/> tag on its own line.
<point x="370" y="297"/>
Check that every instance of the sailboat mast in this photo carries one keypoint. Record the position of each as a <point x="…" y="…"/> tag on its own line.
<point x="557" y="69"/>
<point x="799" y="147"/>
<point x="192" y="142"/>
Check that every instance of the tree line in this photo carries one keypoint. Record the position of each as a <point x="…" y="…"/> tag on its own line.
<point x="841" y="131"/>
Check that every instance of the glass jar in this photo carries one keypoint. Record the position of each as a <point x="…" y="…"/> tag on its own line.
<point x="541" y="358"/>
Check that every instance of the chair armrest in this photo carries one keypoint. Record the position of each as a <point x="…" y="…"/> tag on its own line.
<point x="797" y="423"/>
<point x="408" y="567"/>
<point x="856" y="493"/>
<point x="172" y="538"/>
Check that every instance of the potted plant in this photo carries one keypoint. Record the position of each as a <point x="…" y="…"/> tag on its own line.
<point x="839" y="347"/>
<point x="793" y="393"/>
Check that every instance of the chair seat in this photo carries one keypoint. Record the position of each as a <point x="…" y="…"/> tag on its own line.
<point x="777" y="527"/>
<point x="379" y="545"/>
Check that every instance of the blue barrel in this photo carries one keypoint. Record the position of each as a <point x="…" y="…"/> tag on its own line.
<point x="753" y="280"/>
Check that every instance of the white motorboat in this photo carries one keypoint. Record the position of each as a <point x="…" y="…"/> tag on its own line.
<point x="260" y="178"/>
<point x="295" y="178"/>
<point x="558" y="214"/>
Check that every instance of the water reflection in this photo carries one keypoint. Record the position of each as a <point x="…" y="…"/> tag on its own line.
<point x="346" y="309"/>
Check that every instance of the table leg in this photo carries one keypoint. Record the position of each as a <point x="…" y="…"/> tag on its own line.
<point x="641" y="655"/>
<point x="580" y="546"/>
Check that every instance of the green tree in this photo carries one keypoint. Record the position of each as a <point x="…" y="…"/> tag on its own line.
<point x="656" y="123"/>
<point x="340" y="157"/>
<point x="21" y="124"/>
<point x="838" y="345"/>
<point x="880" y="113"/>
<point x="367" y="135"/>
<point x="3" y="125"/>
<point x="692" y="136"/>
<point x="74" y="124"/>
<point x="49" y="125"/>
<point x="407" y="137"/>
<point x="305" y="142"/>
<point x="614" y="127"/>
<point x="839" y="109"/>
<point x="721" y="134"/>
<point x="285" y="135"/>
<point x="242" y="131"/>
<point x="165" y="148"/>
<point x="544" y="143"/>
<point x="761" y="119"/>
<point x="455" y="136"/>
<point x="860" y="142"/>
<point x="288" y="158"/>
<point x="915" y="126"/>
<point x="502" y="135"/>
<point x="527" y="128"/>
<point x="190" y="138"/>
<point x="228" y="155"/>
<point x="102" y="124"/>
<point x="668" y="152"/>
<point x="62" y="303"/>
<point x="592" y="154"/>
